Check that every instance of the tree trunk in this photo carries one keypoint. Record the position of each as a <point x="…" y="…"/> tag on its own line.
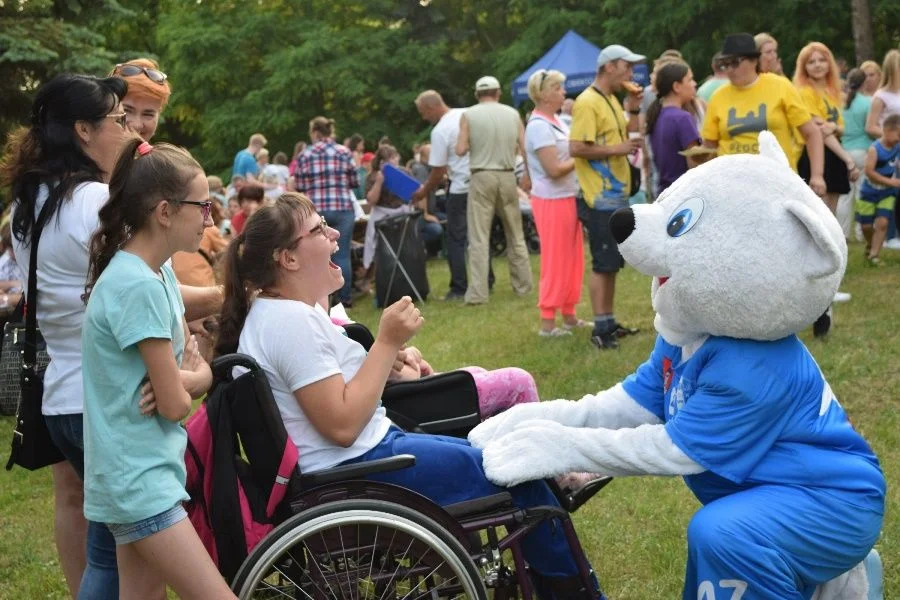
<point x="862" y="31"/>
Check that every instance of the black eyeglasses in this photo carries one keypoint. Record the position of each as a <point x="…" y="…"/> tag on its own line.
<point x="153" y="75"/>
<point x="205" y="207"/>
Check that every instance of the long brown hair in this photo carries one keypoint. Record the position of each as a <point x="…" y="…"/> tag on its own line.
<point x="139" y="182"/>
<point x="249" y="264"/>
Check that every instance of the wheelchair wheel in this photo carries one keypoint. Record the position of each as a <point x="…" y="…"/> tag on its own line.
<point x="359" y="550"/>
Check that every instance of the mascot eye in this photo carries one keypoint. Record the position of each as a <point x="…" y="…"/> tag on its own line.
<point x="685" y="217"/>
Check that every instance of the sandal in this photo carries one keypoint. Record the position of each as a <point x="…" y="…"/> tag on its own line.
<point x="874" y="261"/>
<point x="578" y="324"/>
<point x="555" y="332"/>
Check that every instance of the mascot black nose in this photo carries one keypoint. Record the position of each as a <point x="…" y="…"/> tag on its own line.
<point x="621" y="224"/>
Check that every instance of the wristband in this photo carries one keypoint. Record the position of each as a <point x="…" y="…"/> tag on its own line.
<point x="634" y="112"/>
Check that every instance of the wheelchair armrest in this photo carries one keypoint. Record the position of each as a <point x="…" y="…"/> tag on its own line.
<point x="357" y="470"/>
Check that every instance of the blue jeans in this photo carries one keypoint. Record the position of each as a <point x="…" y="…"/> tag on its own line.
<point x="101" y="576"/>
<point x="430" y="231"/>
<point x="343" y="221"/>
<point x="448" y="470"/>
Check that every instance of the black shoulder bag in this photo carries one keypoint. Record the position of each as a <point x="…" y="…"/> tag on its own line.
<point x="635" y="172"/>
<point x="32" y="447"/>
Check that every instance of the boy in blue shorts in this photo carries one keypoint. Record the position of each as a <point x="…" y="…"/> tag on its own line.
<point x="878" y="193"/>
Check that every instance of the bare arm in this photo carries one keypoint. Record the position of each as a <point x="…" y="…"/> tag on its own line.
<point x="374" y="193"/>
<point x="592" y="151"/>
<point x="200" y="302"/>
<point x="816" y="152"/>
<point x="196" y="376"/>
<point x="340" y="410"/>
<point x="435" y="177"/>
<point x="872" y="127"/>
<point x="873" y="175"/>
<point x="462" y="141"/>
<point x="173" y="402"/>
<point x="552" y="166"/>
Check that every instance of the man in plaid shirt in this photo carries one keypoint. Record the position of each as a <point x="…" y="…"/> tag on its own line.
<point x="326" y="174"/>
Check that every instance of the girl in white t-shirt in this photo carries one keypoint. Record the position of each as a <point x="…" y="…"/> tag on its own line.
<point x="328" y="389"/>
<point x="62" y="163"/>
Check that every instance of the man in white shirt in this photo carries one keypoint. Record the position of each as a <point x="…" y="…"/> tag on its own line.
<point x="443" y="160"/>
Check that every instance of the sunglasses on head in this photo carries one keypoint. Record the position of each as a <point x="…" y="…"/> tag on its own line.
<point x="127" y="70"/>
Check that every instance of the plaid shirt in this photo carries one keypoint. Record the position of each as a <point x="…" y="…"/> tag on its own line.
<point x="326" y="173"/>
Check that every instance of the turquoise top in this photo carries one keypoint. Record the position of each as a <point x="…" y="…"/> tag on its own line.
<point x="134" y="464"/>
<point x="709" y="86"/>
<point x="855" y="136"/>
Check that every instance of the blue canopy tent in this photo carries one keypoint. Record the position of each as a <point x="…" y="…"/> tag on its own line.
<point x="575" y="57"/>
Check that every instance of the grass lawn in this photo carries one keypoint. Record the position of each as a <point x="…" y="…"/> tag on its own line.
<point x="633" y="530"/>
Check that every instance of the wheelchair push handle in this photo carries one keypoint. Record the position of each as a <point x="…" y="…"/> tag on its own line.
<point x="222" y="366"/>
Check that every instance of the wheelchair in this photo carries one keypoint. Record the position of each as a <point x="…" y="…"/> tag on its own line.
<point x="340" y="536"/>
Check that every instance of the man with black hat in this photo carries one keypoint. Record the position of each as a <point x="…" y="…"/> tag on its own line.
<point x="752" y="102"/>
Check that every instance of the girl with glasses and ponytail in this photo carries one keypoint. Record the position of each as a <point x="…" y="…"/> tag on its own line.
<point x="142" y="369"/>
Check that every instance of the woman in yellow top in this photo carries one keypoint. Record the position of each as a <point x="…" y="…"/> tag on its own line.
<point x="752" y="102"/>
<point x="818" y="80"/>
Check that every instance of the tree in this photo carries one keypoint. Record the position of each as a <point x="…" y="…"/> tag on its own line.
<point x="862" y="31"/>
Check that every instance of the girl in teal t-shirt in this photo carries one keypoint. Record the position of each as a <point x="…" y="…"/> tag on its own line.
<point x="140" y="376"/>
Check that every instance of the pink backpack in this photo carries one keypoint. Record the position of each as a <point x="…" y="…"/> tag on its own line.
<point x="239" y="461"/>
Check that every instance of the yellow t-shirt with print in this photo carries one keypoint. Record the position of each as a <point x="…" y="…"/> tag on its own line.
<point x="736" y="115"/>
<point x="606" y="182"/>
<point x="820" y="104"/>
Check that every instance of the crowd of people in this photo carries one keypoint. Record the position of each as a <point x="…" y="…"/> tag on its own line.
<point x="133" y="304"/>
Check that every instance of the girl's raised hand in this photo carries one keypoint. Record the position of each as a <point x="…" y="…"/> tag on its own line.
<point x="399" y="322"/>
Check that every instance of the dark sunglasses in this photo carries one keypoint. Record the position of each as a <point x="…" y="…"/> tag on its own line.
<point x="153" y="75"/>
<point x="205" y="207"/>
<point x="730" y="62"/>
<point x="544" y="76"/>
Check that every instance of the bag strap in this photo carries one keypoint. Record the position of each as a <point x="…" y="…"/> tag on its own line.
<point x="29" y="354"/>
<point x="614" y="114"/>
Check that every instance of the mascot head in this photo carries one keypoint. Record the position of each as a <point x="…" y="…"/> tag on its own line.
<point x="737" y="247"/>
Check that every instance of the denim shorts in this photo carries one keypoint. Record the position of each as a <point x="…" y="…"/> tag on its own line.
<point x="67" y="433"/>
<point x="127" y="533"/>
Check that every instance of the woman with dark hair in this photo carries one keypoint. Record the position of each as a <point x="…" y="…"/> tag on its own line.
<point x="326" y="173"/>
<point x="855" y="141"/>
<point x="61" y="166"/>
<point x="670" y="128"/>
<point x="328" y="391"/>
<point x="383" y="203"/>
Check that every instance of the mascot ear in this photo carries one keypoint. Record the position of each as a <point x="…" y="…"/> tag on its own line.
<point x="770" y="148"/>
<point x="828" y="259"/>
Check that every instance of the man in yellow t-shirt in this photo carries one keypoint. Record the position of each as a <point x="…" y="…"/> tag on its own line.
<point x="599" y="142"/>
<point x="735" y="115"/>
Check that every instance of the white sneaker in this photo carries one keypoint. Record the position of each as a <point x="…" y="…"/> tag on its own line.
<point x="892" y="244"/>
<point x="841" y="297"/>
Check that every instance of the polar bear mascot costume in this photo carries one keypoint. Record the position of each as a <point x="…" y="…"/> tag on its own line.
<point x="743" y="255"/>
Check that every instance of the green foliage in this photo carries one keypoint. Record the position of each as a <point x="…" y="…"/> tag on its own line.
<point x="271" y="65"/>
